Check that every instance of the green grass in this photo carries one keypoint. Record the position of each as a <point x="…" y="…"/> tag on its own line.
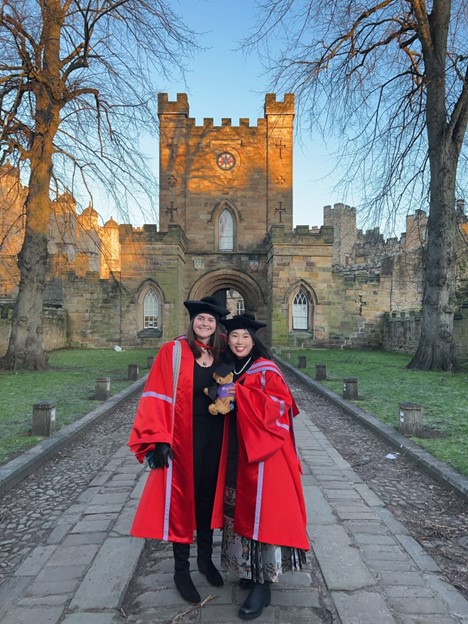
<point x="69" y="382"/>
<point x="384" y="383"/>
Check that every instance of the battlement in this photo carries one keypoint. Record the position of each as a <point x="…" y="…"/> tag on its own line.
<point x="302" y="235"/>
<point x="179" y="107"/>
<point x="226" y="122"/>
<point x="8" y="170"/>
<point x="274" y="107"/>
<point x="338" y="211"/>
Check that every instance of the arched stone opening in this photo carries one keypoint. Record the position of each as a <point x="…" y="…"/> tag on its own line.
<point x="225" y="279"/>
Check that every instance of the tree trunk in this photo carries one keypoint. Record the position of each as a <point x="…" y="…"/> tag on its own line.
<point x="25" y="348"/>
<point x="436" y="348"/>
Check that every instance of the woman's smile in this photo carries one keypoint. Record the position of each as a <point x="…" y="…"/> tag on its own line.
<point x="240" y="342"/>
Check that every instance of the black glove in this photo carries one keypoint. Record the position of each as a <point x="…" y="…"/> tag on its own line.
<point x="159" y="456"/>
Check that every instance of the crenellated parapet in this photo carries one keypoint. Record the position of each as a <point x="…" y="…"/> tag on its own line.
<point x="302" y="235"/>
<point x="281" y="107"/>
<point x="170" y="107"/>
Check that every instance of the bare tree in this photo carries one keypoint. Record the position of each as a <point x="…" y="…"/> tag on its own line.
<point x="390" y="79"/>
<point x="76" y="94"/>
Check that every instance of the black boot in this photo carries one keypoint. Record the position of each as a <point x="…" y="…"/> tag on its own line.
<point x="204" y="562"/>
<point x="182" y="578"/>
<point x="207" y="568"/>
<point x="259" y="597"/>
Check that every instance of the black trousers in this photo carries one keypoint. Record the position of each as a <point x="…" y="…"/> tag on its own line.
<point x="207" y="441"/>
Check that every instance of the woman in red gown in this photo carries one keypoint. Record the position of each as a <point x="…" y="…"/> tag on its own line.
<point x="181" y="441"/>
<point x="264" y="524"/>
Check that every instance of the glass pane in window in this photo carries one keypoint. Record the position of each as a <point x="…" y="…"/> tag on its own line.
<point x="240" y="309"/>
<point x="300" y="312"/>
<point x="151" y="309"/>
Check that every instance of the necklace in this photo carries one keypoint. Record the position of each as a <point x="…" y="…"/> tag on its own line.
<point x="243" y="368"/>
<point x="205" y="354"/>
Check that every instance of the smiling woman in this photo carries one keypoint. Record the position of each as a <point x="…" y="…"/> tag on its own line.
<point x="262" y="507"/>
<point x="181" y="442"/>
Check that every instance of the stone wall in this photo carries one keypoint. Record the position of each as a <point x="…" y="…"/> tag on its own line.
<point x="55" y="328"/>
<point x="401" y="332"/>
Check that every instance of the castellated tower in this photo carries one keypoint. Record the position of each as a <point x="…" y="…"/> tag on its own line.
<point x="205" y="169"/>
<point x="343" y="220"/>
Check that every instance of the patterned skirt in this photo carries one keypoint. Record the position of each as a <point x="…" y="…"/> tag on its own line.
<point x="245" y="557"/>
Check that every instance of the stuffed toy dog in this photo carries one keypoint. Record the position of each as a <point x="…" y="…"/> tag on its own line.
<point x="218" y="392"/>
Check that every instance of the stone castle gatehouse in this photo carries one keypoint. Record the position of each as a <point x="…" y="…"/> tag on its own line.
<point x="225" y="229"/>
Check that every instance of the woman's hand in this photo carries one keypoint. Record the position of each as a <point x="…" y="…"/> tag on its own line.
<point x="159" y="456"/>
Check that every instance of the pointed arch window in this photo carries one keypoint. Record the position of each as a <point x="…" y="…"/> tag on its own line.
<point x="300" y="311"/>
<point x="150" y="310"/>
<point x="226" y="231"/>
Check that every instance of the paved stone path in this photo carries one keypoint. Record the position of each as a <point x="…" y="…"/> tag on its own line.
<point x="66" y="557"/>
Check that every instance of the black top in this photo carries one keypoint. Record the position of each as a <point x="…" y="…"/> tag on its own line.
<point x="202" y="378"/>
<point x="242" y="365"/>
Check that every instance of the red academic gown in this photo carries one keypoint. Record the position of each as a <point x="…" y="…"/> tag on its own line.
<point x="167" y="508"/>
<point x="270" y="504"/>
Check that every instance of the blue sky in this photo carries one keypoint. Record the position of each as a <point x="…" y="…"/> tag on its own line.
<point x="224" y="82"/>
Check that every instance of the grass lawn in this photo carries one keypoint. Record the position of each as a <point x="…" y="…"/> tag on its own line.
<point x="384" y="383"/>
<point x="69" y="382"/>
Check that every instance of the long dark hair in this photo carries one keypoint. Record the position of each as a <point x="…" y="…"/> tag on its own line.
<point x="217" y="342"/>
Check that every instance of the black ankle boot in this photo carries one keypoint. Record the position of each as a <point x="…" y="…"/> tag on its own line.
<point x="206" y="567"/>
<point x="186" y="588"/>
<point x="259" y="597"/>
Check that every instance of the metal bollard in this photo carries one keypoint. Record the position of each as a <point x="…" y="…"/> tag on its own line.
<point x="350" y="388"/>
<point x="149" y="361"/>
<point x="320" y="372"/>
<point x="133" y="370"/>
<point x="43" y="418"/>
<point x="301" y="361"/>
<point x="410" y="418"/>
<point x="102" y="388"/>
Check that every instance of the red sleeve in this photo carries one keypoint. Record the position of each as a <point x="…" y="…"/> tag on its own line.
<point x="153" y="419"/>
<point x="263" y="416"/>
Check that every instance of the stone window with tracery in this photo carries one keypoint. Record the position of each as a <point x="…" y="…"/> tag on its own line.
<point x="300" y="311"/>
<point x="226" y="231"/>
<point x="150" y="310"/>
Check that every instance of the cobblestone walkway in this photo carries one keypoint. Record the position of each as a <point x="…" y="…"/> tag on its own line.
<point x="29" y="511"/>
<point x="435" y="517"/>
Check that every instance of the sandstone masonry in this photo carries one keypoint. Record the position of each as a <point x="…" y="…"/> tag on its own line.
<point x="225" y="229"/>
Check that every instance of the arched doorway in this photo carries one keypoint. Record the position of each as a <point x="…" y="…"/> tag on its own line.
<point x="233" y="289"/>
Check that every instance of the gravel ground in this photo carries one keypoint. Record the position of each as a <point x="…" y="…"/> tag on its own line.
<point x="437" y="518"/>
